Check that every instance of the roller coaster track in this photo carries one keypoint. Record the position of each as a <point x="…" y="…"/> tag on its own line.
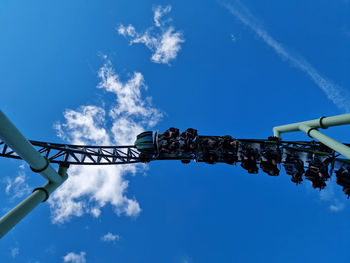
<point x="320" y="159"/>
<point x="114" y="155"/>
<point x="79" y="154"/>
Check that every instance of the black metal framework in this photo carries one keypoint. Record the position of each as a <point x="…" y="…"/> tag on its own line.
<point x="79" y="154"/>
<point x="269" y="154"/>
<point x="109" y="155"/>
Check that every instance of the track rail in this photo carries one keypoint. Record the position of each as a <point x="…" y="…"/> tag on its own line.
<point x="114" y="155"/>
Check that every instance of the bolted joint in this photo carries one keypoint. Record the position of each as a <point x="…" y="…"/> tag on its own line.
<point x="42" y="169"/>
<point x="308" y="132"/>
<point x="44" y="190"/>
<point x="321" y="124"/>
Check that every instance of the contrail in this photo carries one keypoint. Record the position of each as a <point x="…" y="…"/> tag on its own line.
<point x="336" y="94"/>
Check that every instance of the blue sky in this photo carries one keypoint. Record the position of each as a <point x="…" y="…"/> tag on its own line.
<point x="100" y="72"/>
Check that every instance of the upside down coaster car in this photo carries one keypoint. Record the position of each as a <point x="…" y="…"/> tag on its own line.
<point x="268" y="154"/>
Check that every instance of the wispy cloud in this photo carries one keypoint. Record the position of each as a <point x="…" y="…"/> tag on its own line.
<point x="109" y="237"/>
<point x="233" y="38"/>
<point x="17" y="187"/>
<point x="88" y="189"/>
<point x="186" y="259"/>
<point x="328" y="196"/>
<point x="75" y="258"/>
<point x="339" y="96"/>
<point x="14" y="252"/>
<point x="163" y="40"/>
<point x="159" y="12"/>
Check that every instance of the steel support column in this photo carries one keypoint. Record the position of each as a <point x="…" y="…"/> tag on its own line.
<point x="40" y="194"/>
<point x="323" y="122"/>
<point x="310" y="127"/>
<point x="14" y="138"/>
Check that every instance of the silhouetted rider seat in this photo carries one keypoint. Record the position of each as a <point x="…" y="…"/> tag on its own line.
<point x="317" y="173"/>
<point x="294" y="167"/>
<point x="343" y="179"/>
<point x="171" y="133"/>
<point x="270" y="165"/>
<point x="228" y="144"/>
<point x="249" y="160"/>
<point x="250" y="166"/>
<point x="210" y="157"/>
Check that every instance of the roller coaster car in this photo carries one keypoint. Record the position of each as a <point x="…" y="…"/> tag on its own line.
<point x="145" y="145"/>
<point x="213" y="149"/>
<point x="294" y="167"/>
<point x="189" y="134"/>
<point x="171" y="145"/>
<point x="319" y="168"/>
<point x="317" y="173"/>
<point x="343" y="179"/>
<point x="269" y="168"/>
<point x="210" y="157"/>
<point x="230" y="158"/>
<point x="270" y="165"/>
<point x="316" y="181"/>
<point x="249" y="160"/>
<point x="171" y="133"/>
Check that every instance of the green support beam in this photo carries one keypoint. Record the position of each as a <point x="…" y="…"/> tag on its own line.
<point x="311" y="129"/>
<point x="14" y="138"/>
<point x="40" y="194"/>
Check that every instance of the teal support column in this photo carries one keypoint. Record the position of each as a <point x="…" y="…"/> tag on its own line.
<point x="328" y="141"/>
<point x="323" y="122"/>
<point x="40" y="194"/>
<point x="310" y="127"/>
<point x="14" y="138"/>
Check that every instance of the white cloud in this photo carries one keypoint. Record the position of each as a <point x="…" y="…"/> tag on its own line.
<point x="17" y="187"/>
<point x="89" y="188"/>
<point x="75" y="258"/>
<point x="160" y="11"/>
<point x="336" y="94"/>
<point x="328" y="196"/>
<point x="164" y="45"/>
<point x="167" y="46"/>
<point x="126" y="31"/>
<point x="336" y="207"/>
<point x="186" y="259"/>
<point x="233" y="38"/>
<point x="14" y="252"/>
<point x="109" y="237"/>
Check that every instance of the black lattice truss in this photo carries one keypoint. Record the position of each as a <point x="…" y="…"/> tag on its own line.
<point x="108" y="155"/>
<point x="79" y="154"/>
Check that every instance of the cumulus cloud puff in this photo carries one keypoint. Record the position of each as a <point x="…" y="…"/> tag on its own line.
<point x="89" y="188"/>
<point x="162" y="40"/>
<point x="75" y="258"/>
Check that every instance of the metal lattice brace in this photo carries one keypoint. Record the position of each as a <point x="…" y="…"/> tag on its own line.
<point x="79" y="154"/>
